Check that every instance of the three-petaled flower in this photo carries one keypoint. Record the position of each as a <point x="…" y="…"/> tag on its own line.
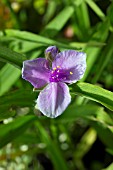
<point x="66" y="67"/>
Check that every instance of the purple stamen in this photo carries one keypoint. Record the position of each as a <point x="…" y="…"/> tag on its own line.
<point x="57" y="75"/>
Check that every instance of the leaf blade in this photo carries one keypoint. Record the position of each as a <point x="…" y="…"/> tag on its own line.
<point x="94" y="93"/>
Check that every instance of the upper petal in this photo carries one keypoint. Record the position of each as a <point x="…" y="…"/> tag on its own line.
<point x="54" y="99"/>
<point x="36" y="72"/>
<point x="73" y="63"/>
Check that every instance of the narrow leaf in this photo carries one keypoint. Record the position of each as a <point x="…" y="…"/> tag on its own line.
<point x="58" y="22"/>
<point x="10" y="131"/>
<point x="95" y="8"/>
<point x="53" y="149"/>
<point x="7" y="55"/>
<point x="94" y="93"/>
<point x="9" y="75"/>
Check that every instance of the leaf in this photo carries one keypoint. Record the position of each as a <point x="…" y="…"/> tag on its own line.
<point x="106" y="56"/>
<point x="10" y="131"/>
<point x="95" y="117"/>
<point x="52" y="148"/>
<point x="95" y="8"/>
<point x="9" y="75"/>
<point x="78" y="2"/>
<point x="73" y="112"/>
<point x="94" y="93"/>
<point x="6" y="114"/>
<point x="104" y="131"/>
<point x="26" y="138"/>
<point x="110" y="167"/>
<point x="24" y="35"/>
<point x="93" y="52"/>
<point x="110" y="13"/>
<point x="7" y="55"/>
<point x="85" y="15"/>
<point x="82" y="25"/>
<point x="19" y="98"/>
<point x="85" y="143"/>
<point x="58" y="22"/>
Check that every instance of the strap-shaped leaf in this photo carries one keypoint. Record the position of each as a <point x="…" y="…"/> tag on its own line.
<point x="7" y="55"/>
<point x="96" y="93"/>
<point x="58" y="22"/>
<point x="9" y="75"/>
<point x="12" y="130"/>
<point x="41" y="40"/>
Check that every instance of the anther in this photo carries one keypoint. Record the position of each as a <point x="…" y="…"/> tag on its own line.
<point x="58" y="66"/>
<point x="54" y="68"/>
<point x="71" y="72"/>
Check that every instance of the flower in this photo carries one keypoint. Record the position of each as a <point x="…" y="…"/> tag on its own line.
<point x="55" y="71"/>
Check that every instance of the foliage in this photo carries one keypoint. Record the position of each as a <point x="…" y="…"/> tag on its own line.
<point x="82" y="137"/>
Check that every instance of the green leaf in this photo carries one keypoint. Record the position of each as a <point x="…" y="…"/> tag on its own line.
<point x="78" y="2"/>
<point x="18" y="97"/>
<point x="85" y="15"/>
<point x="58" y="22"/>
<point x="41" y="40"/>
<point x="9" y="75"/>
<point x="95" y="117"/>
<point x="82" y="25"/>
<point x="26" y="138"/>
<point x="73" y="112"/>
<point x="104" y="131"/>
<point x="106" y="56"/>
<point x="10" y="131"/>
<point x="95" y="8"/>
<point x="52" y="148"/>
<point x="6" y="114"/>
<point x="110" y="167"/>
<point x="7" y="55"/>
<point x="94" y="93"/>
<point x="50" y="11"/>
<point x="85" y="143"/>
<point x="110" y="13"/>
<point x="93" y="52"/>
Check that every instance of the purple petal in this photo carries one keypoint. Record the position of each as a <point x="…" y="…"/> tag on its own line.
<point x="73" y="63"/>
<point x="54" y="99"/>
<point x="51" y="52"/>
<point x="36" y="72"/>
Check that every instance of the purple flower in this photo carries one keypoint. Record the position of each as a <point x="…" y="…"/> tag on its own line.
<point x="66" y="67"/>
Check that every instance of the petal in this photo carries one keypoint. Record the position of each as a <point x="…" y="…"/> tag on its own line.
<point x="54" y="99"/>
<point x="73" y="63"/>
<point x="36" y="72"/>
<point x="51" y="52"/>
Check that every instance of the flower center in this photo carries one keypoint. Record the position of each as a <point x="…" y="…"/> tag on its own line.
<point x="57" y="75"/>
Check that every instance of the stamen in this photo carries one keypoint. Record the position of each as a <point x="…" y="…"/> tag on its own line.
<point x="71" y="72"/>
<point x="57" y="74"/>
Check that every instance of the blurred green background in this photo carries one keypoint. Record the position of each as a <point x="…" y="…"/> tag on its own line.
<point x="81" y="138"/>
